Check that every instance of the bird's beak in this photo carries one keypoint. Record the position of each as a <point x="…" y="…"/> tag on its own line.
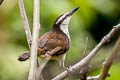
<point x="74" y="10"/>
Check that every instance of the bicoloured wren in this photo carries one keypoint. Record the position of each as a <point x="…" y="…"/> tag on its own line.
<point x="55" y="43"/>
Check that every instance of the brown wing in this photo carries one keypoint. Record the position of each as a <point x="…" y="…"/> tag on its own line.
<point x="50" y="41"/>
<point x="51" y="44"/>
<point x="43" y="40"/>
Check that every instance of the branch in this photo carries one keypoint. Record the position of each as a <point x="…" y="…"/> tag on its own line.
<point x="109" y="61"/>
<point x="93" y="77"/>
<point x="84" y="70"/>
<point x="25" y="22"/>
<point x="96" y="77"/>
<point x="85" y="61"/>
<point x="34" y="46"/>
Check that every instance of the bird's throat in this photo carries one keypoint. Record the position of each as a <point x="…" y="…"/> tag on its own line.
<point x="64" y="29"/>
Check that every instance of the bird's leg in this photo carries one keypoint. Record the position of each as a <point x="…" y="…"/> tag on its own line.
<point x="61" y="60"/>
<point x="66" y="68"/>
<point x="62" y="64"/>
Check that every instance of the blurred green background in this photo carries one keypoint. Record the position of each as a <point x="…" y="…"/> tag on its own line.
<point x="94" y="19"/>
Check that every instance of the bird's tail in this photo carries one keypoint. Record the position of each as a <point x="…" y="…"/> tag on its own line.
<point x="25" y="56"/>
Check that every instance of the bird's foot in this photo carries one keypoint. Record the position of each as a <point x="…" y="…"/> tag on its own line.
<point x="69" y="69"/>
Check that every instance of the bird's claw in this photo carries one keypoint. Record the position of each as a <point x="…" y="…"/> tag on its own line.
<point x="69" y="69"/>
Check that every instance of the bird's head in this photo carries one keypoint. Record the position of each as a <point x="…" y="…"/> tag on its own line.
<point x="62" y="22"/>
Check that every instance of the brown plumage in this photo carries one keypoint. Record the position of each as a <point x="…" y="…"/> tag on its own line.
<point x="53" y="44"/>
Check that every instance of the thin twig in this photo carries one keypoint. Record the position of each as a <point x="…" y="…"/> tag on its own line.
<point x="84" y="70"/>
<point x="34" y="46"/>
<point x="86" y="46"/>
<point x="25" y="22"/>
<point x="78" y="66"/>
<point x="107" y="64"/>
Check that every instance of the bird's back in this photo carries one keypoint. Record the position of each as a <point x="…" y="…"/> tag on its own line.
<point x="50" y="41"/>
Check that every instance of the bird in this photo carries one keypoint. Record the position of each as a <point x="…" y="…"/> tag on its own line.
<point x="55" y="43"/>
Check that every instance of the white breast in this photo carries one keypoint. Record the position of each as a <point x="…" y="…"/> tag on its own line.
<point x="64" y="28"/>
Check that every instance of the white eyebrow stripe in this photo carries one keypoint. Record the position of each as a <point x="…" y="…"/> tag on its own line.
<point x="61" y="18"/>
